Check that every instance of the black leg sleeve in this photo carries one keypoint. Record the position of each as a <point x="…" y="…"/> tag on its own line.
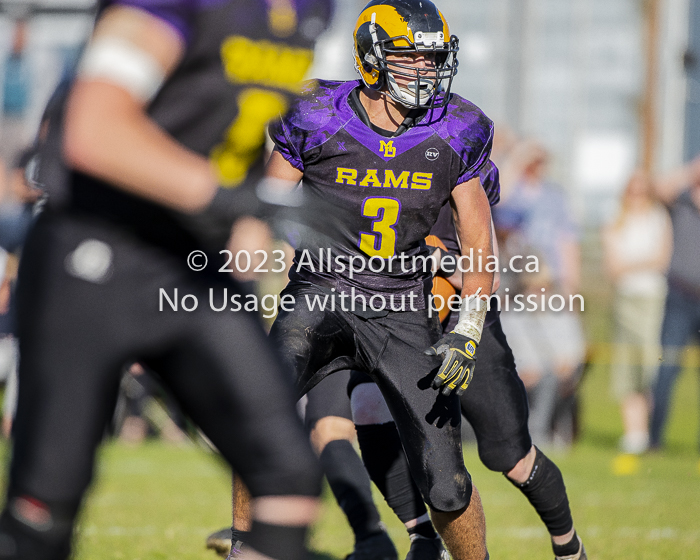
<point x="34" y="530"/>
<point x="279" y="542"/>
<point x="350" y="484"/>
<point x="386" y="464"/>
<point x="545" y="490"/>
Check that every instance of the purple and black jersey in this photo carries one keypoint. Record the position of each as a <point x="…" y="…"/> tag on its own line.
<point x="242" y="66"/>
<point x="234" y="48"/>
<point x="382" y="194"/>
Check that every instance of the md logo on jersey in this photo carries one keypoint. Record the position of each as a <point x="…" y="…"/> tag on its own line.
<point x="387" y="148"/>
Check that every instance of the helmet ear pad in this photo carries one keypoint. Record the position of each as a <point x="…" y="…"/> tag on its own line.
<point x="379" y="84"/>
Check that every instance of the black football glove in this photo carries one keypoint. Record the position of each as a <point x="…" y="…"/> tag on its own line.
<point x="212" y="226"/>
<point x="457" y="367"/>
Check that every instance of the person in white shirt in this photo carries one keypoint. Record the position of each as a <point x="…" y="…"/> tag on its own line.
<point x="637" y="248"/>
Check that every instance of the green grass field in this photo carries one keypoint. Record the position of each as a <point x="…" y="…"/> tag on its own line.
<point x="159" y="501"/>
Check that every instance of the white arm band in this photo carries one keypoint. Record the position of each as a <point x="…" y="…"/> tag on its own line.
<point x="472" y="314"/>
<point x="280" y="192"/>
<point x="120" y="62"/>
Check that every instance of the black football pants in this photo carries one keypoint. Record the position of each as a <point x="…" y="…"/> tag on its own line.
<point x="494" y="404"/>
<point x="317" y="343"/>
<point x="78" y="328"/>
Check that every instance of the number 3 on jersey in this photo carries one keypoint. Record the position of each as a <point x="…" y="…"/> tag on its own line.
<point x="381" y="243"/>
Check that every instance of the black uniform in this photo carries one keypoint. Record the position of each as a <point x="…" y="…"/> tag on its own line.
<point x="99" y="263"/>
<point x="496" y="402"/>
<point x="379" y="197"/>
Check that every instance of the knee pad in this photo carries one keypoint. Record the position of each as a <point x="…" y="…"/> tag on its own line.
<point x="502" y="456"/>
<point x="454" y="494"/>
<point x="546" y="491"/>
<point x="439" y="487"/>
<point x="31" y="529"/>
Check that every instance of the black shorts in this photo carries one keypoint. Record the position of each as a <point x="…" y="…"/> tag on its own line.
<point x="80" y="321"/>
<point x="390" y="349"/>
<point x="495" y="403"/>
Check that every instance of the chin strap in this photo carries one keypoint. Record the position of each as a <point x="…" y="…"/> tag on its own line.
<point x="409" y="121"/>
<point x="361" y="113"/>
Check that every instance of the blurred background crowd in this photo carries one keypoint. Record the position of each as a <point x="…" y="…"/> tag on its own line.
<point x="597" y="111"/>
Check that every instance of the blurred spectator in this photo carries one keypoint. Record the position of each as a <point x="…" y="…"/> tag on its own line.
<point x="533" y="219"/>
<point x="518" y="159"/>
<point x="16" y="88"/>
<point x="17" y="208"/>
<point x="8" y="342"/>
<point x="637" y="249"/>
<point x="680" y="191"/>
<point x="504" y="140"/>
<point x="547" y="226"/>
<point x="16" y="215"/>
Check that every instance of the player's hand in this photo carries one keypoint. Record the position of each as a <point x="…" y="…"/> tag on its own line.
<point x="457" y="367"/>
<point x="212" y="225"/>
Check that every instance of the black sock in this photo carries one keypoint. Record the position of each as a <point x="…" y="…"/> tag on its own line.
<point x="567" y="549"/>
<point x="279" y="542"/>
<point x="425" y="530"/>
<point x="386" y="464"/>
<point x="546" y="492"/>
<point x="239" y="536"/>
<point x="350" y="484"/>
<point x="33" y="529"/>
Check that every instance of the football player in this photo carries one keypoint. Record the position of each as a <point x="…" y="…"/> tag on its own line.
<point x="151" y="157"/>
<point x="379" y="158"/>
<point x="496" y="407"/>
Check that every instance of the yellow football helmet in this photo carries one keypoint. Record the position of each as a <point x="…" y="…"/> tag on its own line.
<point x="388" y="27"/>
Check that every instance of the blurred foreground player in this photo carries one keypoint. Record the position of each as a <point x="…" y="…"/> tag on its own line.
<point x="379" y="158"/>
<point x="169" y="107"/>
